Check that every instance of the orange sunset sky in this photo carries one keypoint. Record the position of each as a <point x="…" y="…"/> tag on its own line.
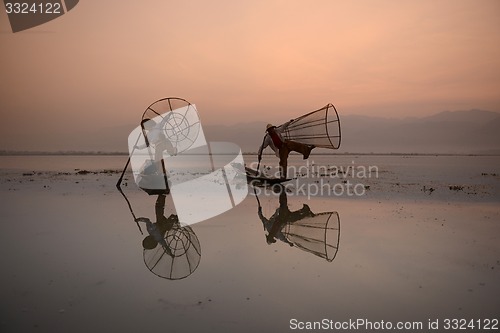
<point x="102" y="63"/>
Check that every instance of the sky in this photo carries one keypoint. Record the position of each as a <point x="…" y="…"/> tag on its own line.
<point x="101" y="64"/>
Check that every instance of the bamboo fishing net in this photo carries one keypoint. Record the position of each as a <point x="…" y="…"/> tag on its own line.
<point x="168" y="126"/>
<point x="178" y="257"/>
<point x="320" y="128"/>
<point x="318" y="234"/>
<point x="179" y="119"/>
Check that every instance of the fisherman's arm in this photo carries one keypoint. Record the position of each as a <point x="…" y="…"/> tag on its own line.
<point x="164" y="120"/>
<point x="282" y="127"/>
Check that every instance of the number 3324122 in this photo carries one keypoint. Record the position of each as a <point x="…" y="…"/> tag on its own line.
<point x="35" y="8"/>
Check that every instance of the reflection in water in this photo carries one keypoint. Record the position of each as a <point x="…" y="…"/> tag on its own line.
<point x="179" y="252"/>
<point x="170" y="250"/>
<point x="318" y="234"/>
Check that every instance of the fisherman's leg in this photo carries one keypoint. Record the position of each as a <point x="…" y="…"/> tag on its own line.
<point x="160" y="147"/>
<point x="301" y="148"/>
<point x="164" y="172"/>
<point x="160" y="207"/>
<point x="284" y="152"/>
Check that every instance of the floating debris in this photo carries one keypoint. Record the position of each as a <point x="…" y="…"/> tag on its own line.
<point x="456" y="187"/>
<point x="430" y="190"/>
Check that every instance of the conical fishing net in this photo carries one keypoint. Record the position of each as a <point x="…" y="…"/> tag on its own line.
<point x="320" y="128"/>
<point x="168" y="126"/>
<point x="179" y="119"/>
<point x="178" y="257"/>
<point x="319" y="234"/>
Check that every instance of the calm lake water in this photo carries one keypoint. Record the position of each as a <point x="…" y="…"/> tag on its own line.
<point x="74" y="258"/>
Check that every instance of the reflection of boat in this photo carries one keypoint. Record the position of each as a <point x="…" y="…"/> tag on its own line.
<point x="170" y="250"/>
<point x="318" y="234"/>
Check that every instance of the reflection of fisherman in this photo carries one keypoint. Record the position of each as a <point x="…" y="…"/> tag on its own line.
<point x="282" y="147"/>
<point x="275" y="224"/>
<point x="157" y="230"/>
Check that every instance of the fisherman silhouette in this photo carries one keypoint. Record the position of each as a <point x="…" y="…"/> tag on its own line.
<point x="275" y="224"/>
<point x="158" y="230"/>
<point x="155" y="139"/>
<point x="154" y="135"/>
<point x="282" y="147"/>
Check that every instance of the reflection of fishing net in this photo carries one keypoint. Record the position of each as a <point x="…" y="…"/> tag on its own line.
<point x="320" y="128"/>
<point x="179" y="259"/>
<point x="319" y="234"/>
<point x="180" y="120"/>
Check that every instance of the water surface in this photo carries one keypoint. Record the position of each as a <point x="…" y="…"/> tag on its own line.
<point x="73" y="255"/>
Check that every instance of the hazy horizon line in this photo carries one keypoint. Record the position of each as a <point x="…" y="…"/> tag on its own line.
<point x="117" y="153"/>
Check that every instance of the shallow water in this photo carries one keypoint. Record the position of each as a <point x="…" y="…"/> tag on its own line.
<point x="73" y="255"/>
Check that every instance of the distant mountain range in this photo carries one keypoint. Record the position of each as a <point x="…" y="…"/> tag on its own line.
<point x="449" y="132"/>
<point x="473" y="131"/>
<point x="462" y="132"/>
